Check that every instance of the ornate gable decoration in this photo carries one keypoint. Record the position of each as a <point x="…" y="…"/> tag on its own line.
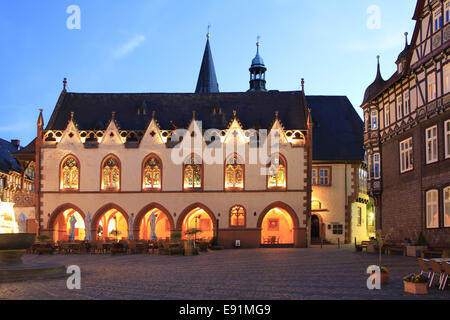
<point x="277" y="131"/>
<point x="71" y="134"/>
<point x="112" y="134"/>
<point x="153" y="135"/>
<point x="235" y="132"/>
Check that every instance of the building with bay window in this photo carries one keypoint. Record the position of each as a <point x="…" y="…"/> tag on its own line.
<point x="407" y="125"/>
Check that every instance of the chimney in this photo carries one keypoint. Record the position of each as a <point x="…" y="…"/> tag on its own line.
<point x="16" y="143"/>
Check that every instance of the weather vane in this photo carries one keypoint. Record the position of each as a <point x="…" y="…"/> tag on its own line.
<point x="257" y="40"/>
<point x="208" y="34"/>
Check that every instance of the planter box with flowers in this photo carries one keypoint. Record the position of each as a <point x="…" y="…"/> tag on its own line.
<point x="384" y="276"/>
<point x="415" y="284"/>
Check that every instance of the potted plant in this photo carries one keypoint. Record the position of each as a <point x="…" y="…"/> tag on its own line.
<point x="415" y="284"/>
<point x="416" y="249"/>
<point x="43" y="238"/>
<point x="45" y="247"/>
<point x="189" y="246"/>
<point x="379" y="242"/>
<point x="115" y="233"/>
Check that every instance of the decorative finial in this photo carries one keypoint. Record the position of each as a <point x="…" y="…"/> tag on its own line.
<point x="234" y="113"/>
<point x="406" y="38"/>
<point x="276" y="115"/>
<point x="71" y="115"/>
<point x="64" y="83"/>
<point x="208" y="35"/>
<point x="303" y="84"/>
<point x="113" y="115"/>
<point x="153" y="114"/>
<point x="257" y="40"/>
<point x="193" y="114"/>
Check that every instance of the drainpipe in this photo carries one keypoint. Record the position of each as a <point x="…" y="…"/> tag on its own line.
<point x="347" y="225"/>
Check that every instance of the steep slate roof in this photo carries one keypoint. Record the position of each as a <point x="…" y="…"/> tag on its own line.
<point x="337" y="129"/>
<point x="207" y="80"/>
<point x="215" y="110"/>
<point x="7" y="161"/>
<point x="376" y="88"/>
<point x="26" y="153"/>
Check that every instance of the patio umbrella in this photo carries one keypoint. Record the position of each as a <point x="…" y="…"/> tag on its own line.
<point x="88" y="227"/>
<point x="22" y="223"/>
<point x="73" y="221"/>
<point x="153" y="227"/>
<point x="130" y="227"/>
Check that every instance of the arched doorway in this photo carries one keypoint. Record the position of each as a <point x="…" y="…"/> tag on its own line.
<point x="162" y="225"/>
<point x="315" y="228"/>
<point x="111" y="225"/>
<point x="277" y="227"/>
<point x="200" y="220"/>
<point x="61" y="225"/>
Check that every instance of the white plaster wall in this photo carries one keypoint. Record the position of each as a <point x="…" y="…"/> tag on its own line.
<point x="254" y="199"/>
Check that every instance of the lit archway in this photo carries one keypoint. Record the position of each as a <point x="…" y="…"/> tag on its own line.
<point x="162" y="225"/>
<point x="61" y="225"/>
<point x="277" y="227"/>
<point x="198" y="218"/>
<point x="111" y="224"/>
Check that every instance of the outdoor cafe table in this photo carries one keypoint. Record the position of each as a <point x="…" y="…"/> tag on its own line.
<point x="439" y="260"/>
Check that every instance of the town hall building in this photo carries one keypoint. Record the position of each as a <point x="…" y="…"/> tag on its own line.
<point x="237" y="166"/>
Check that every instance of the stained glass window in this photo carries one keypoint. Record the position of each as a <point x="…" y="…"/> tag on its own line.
<point x="277" y="173"/>
<point x="111" y="175"/>
<point x="234" y="174"/>
<point x="70" y="174"/>
<point x="152" y="174"/>
<point x="237" y="217"/>
<point x="192" y="174"/>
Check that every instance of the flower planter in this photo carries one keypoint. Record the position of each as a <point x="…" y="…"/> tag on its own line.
<point x="414" y="251"/>
<point x="371" y="248"/>
<point x="415" y="288"/>
<point x="384" y="279"/>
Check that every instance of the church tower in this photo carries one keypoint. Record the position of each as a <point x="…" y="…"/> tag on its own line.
<point x="207" y="80"/>
<point x="258" y="72"/>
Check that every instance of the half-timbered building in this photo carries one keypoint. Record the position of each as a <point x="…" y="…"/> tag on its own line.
<point x="407" y="132"/>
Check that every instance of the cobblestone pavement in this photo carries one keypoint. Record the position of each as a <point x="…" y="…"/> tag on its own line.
<point x="267" y="274"/>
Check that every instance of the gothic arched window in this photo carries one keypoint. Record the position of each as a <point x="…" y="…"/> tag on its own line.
<point x="111" y="174"/>
<point x="152" y="170"/>
<point x="70" y="174"/>
<point x="277" y="173"/>
<point x="237" y="216"/>
<point x="234" y="173"/>
<point x="193" y="175"/>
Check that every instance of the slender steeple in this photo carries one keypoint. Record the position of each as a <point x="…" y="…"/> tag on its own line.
<point x="258" y="72"/>
<point x="207" y="80"/>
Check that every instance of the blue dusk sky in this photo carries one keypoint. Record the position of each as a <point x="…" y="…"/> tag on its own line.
<point x="157" y="46"/>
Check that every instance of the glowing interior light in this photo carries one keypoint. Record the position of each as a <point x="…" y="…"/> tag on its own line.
<point x="8" y="222"/>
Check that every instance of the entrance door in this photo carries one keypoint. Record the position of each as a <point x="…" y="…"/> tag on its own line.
<point x="315" y="228"/>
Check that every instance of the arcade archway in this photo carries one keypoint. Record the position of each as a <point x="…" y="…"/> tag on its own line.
<point x="112" y="224"/>
<point x="61" y="225"/>
<point x="162" y="225"/>
<point x="199" y="219"/>
<point x="277" y="227"/>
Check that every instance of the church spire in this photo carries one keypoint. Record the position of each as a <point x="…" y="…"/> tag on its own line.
<point x="207" y="80"/>
<point x="257" y="72"/>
